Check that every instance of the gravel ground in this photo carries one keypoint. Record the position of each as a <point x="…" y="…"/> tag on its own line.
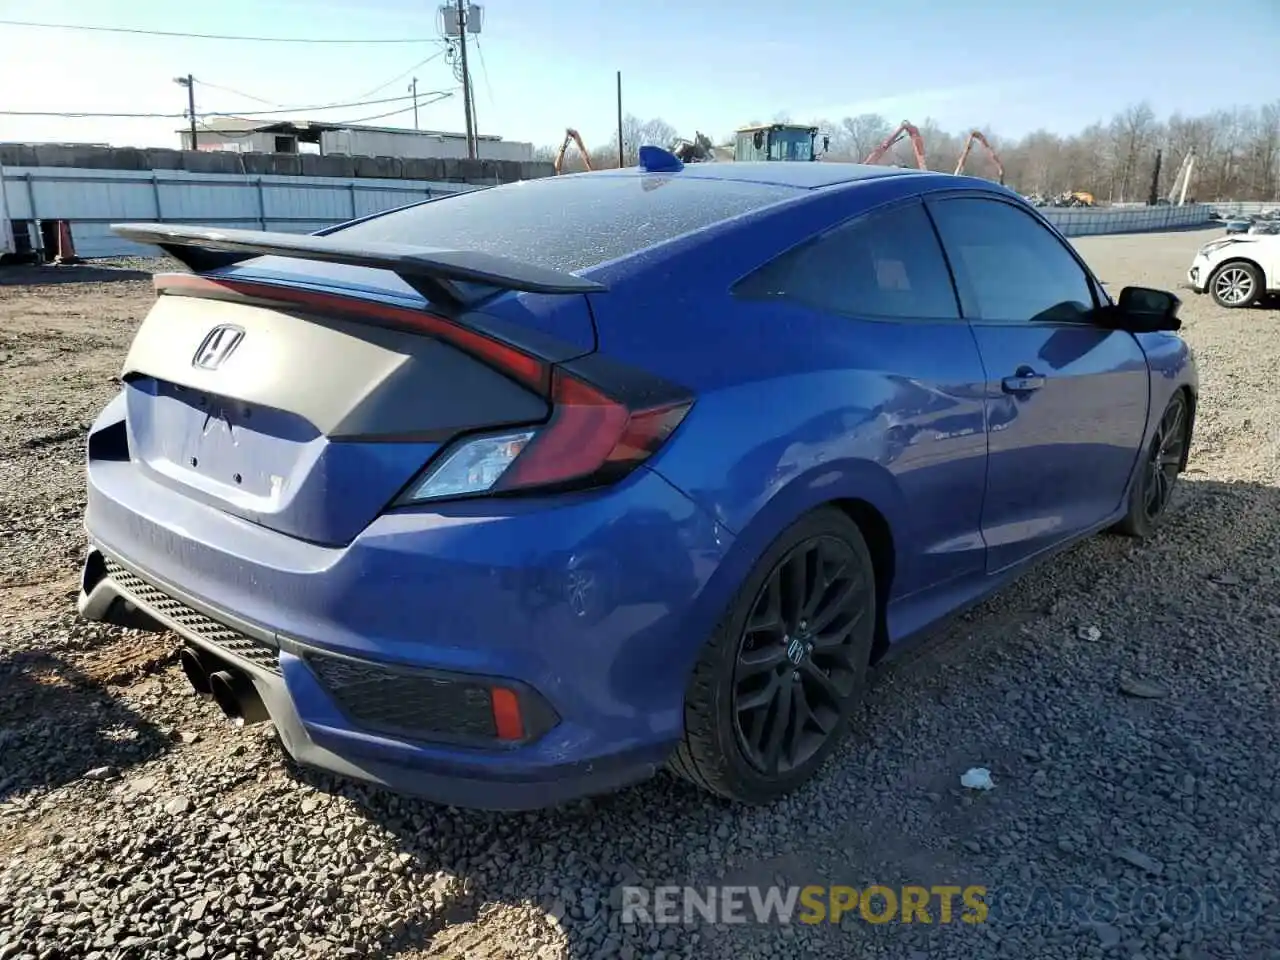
<point x="1123" y="697"/>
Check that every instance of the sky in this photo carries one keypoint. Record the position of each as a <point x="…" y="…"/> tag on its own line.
<point x="1004" y="66"/>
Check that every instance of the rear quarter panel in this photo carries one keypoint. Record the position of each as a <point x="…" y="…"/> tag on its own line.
<point x="875" y="421"/>
<point x="1173" y="368"/>
<point x="794" y="408"/>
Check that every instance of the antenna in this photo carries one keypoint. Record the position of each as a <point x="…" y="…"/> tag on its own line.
<point x="656" y="160"/>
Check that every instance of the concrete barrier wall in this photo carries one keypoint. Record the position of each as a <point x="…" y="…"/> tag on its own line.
<point x="87" y="157"/>
<point x="1090" y="221"/>
<point x="94" y="199"/>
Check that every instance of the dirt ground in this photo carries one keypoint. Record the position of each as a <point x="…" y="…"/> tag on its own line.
<point x="135" y="822"/>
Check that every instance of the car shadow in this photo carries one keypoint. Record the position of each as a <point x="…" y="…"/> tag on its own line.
<point x="1204" y="227"/>
<point x="1267" y="303"/>
<point x="57" y="723"/>
<point x="572" y="862"/>
<point x="49" y="275"/>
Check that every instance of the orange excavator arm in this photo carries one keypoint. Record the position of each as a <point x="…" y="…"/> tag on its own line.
<point x="991" y="152"/>
<point x="906" y="128"/>
<point x="571" y="136"/>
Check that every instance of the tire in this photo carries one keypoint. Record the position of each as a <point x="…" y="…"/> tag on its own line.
<point x="1235" y="284"/>
<point x="821" y="666"/>
<point x="1161" y="463"/>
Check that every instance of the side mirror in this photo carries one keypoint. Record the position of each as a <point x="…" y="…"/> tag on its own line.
<point x="1146" y="310"/>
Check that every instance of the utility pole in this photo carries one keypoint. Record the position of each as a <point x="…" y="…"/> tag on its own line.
<point x="621" y="153"/>
<point x="475" y="122"/>
<point x="466" y="78"/>
<point x="190" y="83"/>
<point x="414" y="88"/>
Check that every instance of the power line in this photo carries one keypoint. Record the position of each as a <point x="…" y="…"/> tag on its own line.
<point x="438" y="96"/>
<point x="277" y="108"/>
<point x="396" y="79"/>
<point x="71" y="115"/>
<point x="243" y="114"/>
<point x="377" y="116"/>
<point x="441" y="95"/>
<point x="313" y="108"/>
<point x="238" y="93"/>
<point x="211" y="36"/>
<point x="484" y="71"/>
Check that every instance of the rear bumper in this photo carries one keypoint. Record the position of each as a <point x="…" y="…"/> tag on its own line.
<point x="593" y="603"/>
<point x="335" y="747"/>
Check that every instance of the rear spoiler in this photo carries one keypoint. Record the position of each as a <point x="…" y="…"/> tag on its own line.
<point x="432" y="272"/>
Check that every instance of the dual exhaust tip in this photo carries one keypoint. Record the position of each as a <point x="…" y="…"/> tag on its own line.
<point x="230" y="687"/>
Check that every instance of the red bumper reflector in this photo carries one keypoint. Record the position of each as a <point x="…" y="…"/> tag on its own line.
<point x="506" y="714"/>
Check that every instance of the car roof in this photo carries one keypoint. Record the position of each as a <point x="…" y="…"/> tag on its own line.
<point x="804" y="175"/>
<point x="775" y="126"/>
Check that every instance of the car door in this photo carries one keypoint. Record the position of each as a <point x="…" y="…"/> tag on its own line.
<point x="1066" y="400"/>
<point x="911" y="377"/>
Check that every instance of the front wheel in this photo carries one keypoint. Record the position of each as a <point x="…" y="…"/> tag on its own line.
<point x="1153" y="487"/>
<point x="774" y="687"/>
<point x="1235" y="284"/>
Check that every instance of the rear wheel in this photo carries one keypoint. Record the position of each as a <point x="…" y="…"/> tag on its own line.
<point x="1153" y="487"/>
<point x="1235" y="284"/>
<point x="773" y="690"/>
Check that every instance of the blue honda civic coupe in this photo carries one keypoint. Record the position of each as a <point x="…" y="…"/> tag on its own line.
<point x="522" y="494"/>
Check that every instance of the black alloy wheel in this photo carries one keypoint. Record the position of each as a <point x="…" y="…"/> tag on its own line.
<point x="1156" y="475"/>
<point x="796" y="658"/>
<point x="1165" y="459"/>
<point x="776" y="683"/>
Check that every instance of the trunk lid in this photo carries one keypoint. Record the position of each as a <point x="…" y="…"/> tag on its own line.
<point x="299" y="420"/>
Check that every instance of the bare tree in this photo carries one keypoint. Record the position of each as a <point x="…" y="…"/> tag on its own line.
<point x="858" y="136"/>
<point x="1237" y="152"/>
<point x="1133" y="132"/>
<point x="1265" y="152"/>
<point x="637" y="133"/>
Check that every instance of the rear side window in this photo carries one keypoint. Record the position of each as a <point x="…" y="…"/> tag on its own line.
<point x="570" y="223"/>
<point x="886" y="264"/>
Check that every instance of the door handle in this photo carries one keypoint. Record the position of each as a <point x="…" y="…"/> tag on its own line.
<point x="1023" y="381"/>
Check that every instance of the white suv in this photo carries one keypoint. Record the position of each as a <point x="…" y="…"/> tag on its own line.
<point x="1237" y="270"/>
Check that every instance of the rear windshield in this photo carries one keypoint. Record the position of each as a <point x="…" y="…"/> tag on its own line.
<point x="569" y="224"/>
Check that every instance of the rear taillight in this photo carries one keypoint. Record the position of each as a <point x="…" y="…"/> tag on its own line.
<point x="589" y="440"/>
<point x="592" y="436"/>
<point x="468" y="467"/>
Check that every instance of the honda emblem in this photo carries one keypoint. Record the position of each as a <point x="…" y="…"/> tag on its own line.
<point x="218" y="344"/>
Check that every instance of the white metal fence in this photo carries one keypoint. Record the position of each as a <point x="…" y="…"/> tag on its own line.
<point x="1245" y="208"/>
<point x="91" y="200"/>
<point x="1089" y="221"/>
